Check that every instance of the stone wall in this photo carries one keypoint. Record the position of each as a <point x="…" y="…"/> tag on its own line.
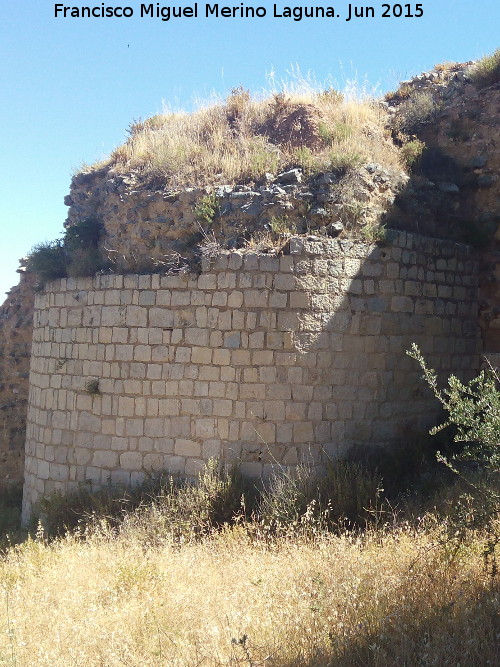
<point x="266" y="359"/>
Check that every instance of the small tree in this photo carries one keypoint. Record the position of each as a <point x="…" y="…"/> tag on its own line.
<point x="474" y="409"/>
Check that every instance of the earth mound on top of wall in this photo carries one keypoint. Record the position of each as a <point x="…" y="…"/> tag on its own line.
<point x="450" y="190"/>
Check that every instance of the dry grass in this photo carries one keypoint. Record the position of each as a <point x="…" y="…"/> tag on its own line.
<point x="244" y="136"/>
<point x="486" y="72"/>
<point x="391" y="598"/>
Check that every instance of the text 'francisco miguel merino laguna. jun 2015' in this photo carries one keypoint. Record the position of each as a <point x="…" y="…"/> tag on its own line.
<point x="343" y="11"/>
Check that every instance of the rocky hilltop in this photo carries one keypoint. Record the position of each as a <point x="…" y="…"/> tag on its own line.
<point x="249" y="173"/>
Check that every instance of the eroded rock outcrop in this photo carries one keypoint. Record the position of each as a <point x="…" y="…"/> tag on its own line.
<point x="16" y="323"/>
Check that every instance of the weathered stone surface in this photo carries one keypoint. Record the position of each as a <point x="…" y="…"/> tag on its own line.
<point x="16" y="324"/>
<point x="287" y="363"/>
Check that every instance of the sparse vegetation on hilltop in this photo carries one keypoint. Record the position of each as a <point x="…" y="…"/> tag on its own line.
<point x="486" y="72"/>
<point x="241" y="138"/>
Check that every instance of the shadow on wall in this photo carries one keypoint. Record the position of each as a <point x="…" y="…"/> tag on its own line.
<point x="360" y="307"/>
<point x="267" y="359"/>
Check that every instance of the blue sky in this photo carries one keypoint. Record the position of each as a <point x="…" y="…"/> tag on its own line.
<point x="70" y="87"/>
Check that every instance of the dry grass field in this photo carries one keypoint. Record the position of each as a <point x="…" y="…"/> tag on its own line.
<point x="398" y="596"/>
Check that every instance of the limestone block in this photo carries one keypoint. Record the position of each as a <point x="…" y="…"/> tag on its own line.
<point x="131" y="460"/>
<point x="187" y="448"/>
<point x="257" y="391"/>
<point x="155" y="427"/>
<point x="263" y="358"/>
<point x="42" y="469"/>
<point x="284" y="433"/>
<point x="181" y="298"/>
<point x="227" y="374"/>
<point x="286" y="263"/>
<point x="134" y="427"/>
<point x="106" y="459"/>
<point x="207" y="281"/>
<point x="153" y="462"/>
<point x="59" y="472"/>
<point x="240" y="357"/>
<point x="222" y="357"/>
<point x="279" y="391"/>
<point x="291" y="457"/>
<point x="235" y="299"/>
<point x="160" y="317"/>
<point x="119" y="335"/>
<point x="89" y="422"/>
<point x="226" y="280"/>
<point x="222" y="408"/>
<point x="168" y="406"/>
<point x="402" y="304"/>
<point x="142" y="353"/>
<point x="163" y="297"/>
<point x="201" y="317"/>
<point x="125" y="406"/>
<point x="284" y="281"/>
<point x="147" y="297"/>
<point x="175" y="465"/>
<point x="114" y="316"/>
<point x="210" y="373"/>
<point x="239" y="321"/>
<point x="201" y="355"/>
<point x="300" y="300"/>
<point x="205" y="428"/>
<point x="303" y="432"/>
<point x="225" y="320"/>
<point x="278" y="300"/>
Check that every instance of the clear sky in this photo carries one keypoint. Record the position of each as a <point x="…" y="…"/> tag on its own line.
<point x="71" y="86"/>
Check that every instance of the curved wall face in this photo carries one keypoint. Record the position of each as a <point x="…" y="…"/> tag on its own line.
<point x="265" y="359"/>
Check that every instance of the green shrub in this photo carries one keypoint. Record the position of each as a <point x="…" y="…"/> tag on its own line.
<point x="86" y="262"/>
<point x="486" y="72"/>
<point x="305" y="158"/>
<point x="48" y="261"/>
<point x="281" y="225"/>
<point x="417" y="110"/>
<point x="85" y="234"/>
<point x="76" y="254"/>
<point x="411" y="152"/>
<point x="473" y="409"/>
<point x="206" y="209"/>
<point x="92" y="387"/>
<point x="342" y="162"/>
